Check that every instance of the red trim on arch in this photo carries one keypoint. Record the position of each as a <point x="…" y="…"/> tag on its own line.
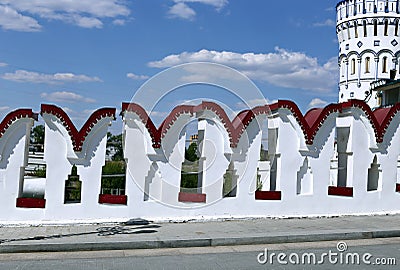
<point x="157" y="133"/>
<point x="380" y="119"/>
<point x="77" y="137"/>
<point x="31" y="203"/>
<point x="340" y="191"/>
<point x="234" y="128"/>
<point x="312" y="121"/>
<point x="13" y="116"/>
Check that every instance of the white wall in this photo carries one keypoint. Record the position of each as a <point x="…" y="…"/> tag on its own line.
<point x="153" y="177"/>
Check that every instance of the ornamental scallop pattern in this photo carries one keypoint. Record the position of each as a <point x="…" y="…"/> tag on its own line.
<point x="78" y="137"/>
<point x="14" y="116"/>
<point x="310" y="123"/>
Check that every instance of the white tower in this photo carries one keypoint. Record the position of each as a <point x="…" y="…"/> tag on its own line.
<point x="368" y="33"/>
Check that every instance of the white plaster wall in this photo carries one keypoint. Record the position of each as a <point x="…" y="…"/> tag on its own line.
<point x="13" y="158"/>
<point x="162" y="202"/>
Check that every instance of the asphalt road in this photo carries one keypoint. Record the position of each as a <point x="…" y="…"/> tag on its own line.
<point x="236" y="257"/>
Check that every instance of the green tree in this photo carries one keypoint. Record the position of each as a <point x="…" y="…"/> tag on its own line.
<point x="116" y="142"/>
<point x="191" y="152"/>
<point x="37" y="134"/>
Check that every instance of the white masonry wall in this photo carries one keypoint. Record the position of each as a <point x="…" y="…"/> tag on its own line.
<point x="304" y="172"/>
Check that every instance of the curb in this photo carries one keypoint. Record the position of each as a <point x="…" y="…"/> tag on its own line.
<point x="199" y="242"/>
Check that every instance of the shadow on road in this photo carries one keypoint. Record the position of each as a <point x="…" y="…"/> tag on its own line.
<point x="133" y="226"/>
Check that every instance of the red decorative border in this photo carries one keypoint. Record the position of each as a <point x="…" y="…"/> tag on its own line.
<point x="398" y="188"/>
<point x="78" y="137"/>
<point x="340" y="191"/>
<point x="191" y="197"/>
<point x="234" y="128"/>
<point x="313" y="119"/>
<point x="310" y="123"/>
<point x="113" y="199"/>
<point x="31" y="203"/>
<point x="14" y="116"/>
<point x="268" y="195"/>
<point x="157" y="133"/>
<point x="380" y="119"/>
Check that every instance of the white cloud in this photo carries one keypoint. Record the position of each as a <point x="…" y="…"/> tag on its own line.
<point x="83" y="13"/>
<point x="10" y="19"/>
<point x="137" y="77"/>
<point x="57" y="78"/>
<point x="317" y="103"/>
<point x="158" y="114"/>
<point x="4" y="108"/>
<point x="119" y="22"/>
<point x="3" y="64"/>
<point x="215" y="3"/>
<point x="182" y="10"/>
<point x="249" y="104"/>
<point x="327" y="22"/>
<point x="281" y="68"/>
<point x="87" y="22"/>
<point x="68" y="97"/>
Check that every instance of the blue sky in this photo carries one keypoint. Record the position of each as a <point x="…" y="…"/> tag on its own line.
<point x="86" y="54"/>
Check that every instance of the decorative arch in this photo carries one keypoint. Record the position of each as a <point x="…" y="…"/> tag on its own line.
<point x="77" y="137"/>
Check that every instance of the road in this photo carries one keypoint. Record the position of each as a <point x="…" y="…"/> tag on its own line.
<point x="235" y="257"/>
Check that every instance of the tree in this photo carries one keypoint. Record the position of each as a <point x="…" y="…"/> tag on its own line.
<point x="191" y="152"/>
<point x="37" y="135"/>
<point x="116" y="142"/>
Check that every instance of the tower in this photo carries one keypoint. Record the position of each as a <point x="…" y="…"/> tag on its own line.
<point x="368" y="33"/>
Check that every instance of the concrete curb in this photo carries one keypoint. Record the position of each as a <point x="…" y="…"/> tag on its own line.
<point x="196" y="242"/>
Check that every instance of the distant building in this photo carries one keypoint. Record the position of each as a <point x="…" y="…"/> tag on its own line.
<point x="194" y="138"/>
<point x="386" y="91"/>
<point x="368" y="34"/>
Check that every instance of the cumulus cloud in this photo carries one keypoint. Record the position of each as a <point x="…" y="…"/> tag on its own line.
<point x="4" y="108"/>
<point x="3" y="64"/>
<point x="182" y="10"/>
<point x="249" y="104"/>
<point x="10" y="19"/>
<point x="327" y="22"/>
<point x="215" y="3"/>
<point x="67" y="97"/>
<point x="317" y="103"/>
<point x="87" y="13"/>
<point x="57" y="78"/>
<point x="281" y="67"/>
<point x="136" y="77"/>
<point x="119" y="22"/>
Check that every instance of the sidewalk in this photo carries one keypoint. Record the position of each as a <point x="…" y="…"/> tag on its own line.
<point x="139" y="235"/>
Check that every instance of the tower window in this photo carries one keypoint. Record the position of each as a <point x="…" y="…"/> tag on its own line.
<point x="367" y="64"/>
<point x="386" y="27"/>
<point x="384" y="65"/>
<point x="348" y="31"/>
<point x="375" y="27"/>
<point x="365" y="28"/>
<point x="353" y="66"/>
<point x="355" y="30"/>
<point x="396" y="28"/>
<point x="344" y="68"/>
